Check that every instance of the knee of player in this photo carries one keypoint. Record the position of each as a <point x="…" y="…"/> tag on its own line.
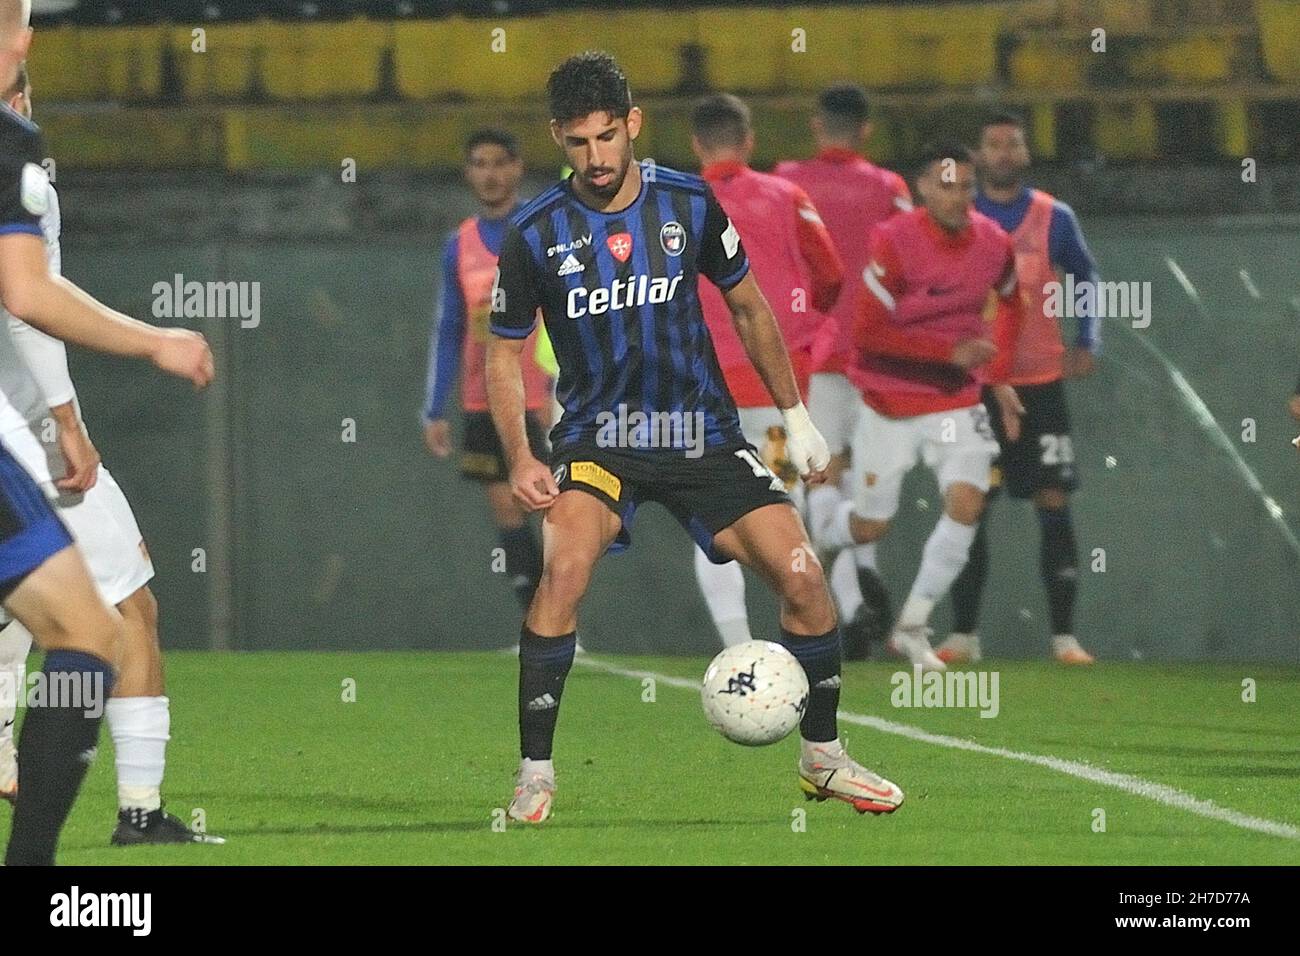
<point x="1051" y="499"/>
<point x="565" y="575"/>
<point x="867" y="530"/>
<point x="803" y="584"/>
<point x="965" y="504"/>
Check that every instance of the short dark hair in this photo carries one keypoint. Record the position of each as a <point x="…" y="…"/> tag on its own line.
<point x="937" y="152"/>
<point x="844" y="108"/>
<point x="1002" y="118"/>
<point x="721" y="120"/>
<point x="493" y="136"/>
<point x="590" y="82"/>
<point x="20" y="84"/>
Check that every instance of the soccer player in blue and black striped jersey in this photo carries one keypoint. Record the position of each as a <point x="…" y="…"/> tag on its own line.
<point x="612" y="257"/>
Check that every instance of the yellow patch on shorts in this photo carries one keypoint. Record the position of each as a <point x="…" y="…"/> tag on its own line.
<point x="995" y="477"/>
<point x="590" y="473"/>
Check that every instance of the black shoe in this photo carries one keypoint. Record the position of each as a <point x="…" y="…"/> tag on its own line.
<point x="872" y="623"/>
<point x="155" y="826"/>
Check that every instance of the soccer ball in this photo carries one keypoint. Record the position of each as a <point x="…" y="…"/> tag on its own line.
<point x="755" y="693"/>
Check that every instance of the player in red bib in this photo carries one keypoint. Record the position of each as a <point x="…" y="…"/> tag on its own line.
<point x="853" y="195"/>
<point x="938" y="319"/>
<point x="800" y="275"/>
<point x="493" y="170"/>
<point x="1039" y="465"/>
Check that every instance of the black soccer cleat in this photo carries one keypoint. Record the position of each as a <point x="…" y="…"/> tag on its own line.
<point x="136" y="826"/>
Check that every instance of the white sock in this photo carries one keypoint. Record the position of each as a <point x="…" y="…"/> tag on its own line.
<point x="15" y="645"/>
<point x="545" y="768"/>
<point x="844" y="583"/>
<point x="723" y="587"/>
<point x="140" y="727"/>
<point x="944" y="556"/>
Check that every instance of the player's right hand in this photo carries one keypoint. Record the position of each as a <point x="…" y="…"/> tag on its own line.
<point x="972" y="353"/>
<point x="81" y="457"/>
<point x="804" y="445"/>
<point x="184" y="354"/>
<point x="533" y="484"/>
<point x="1295" y="407"/>
<point x="437" y="437"/>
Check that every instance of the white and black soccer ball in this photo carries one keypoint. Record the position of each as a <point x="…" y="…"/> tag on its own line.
<point x="755" y="693"/>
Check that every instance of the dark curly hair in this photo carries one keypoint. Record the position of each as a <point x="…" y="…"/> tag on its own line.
<point x="590" y="82"/>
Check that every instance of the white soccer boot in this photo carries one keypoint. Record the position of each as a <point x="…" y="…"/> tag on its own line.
<point x="914" y="644"/>
<point x="827" y="772"/>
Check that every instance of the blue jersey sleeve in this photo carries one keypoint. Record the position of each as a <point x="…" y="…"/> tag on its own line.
<point x="1069" y="252"/>
<point x="447" y="337"/>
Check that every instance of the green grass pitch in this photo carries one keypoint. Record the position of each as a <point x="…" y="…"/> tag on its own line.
<point x="412" y="771"/>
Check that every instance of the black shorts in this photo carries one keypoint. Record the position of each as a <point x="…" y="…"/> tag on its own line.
<point x="482" y="458"/>
<point x="705" y="494"/>
<point x="1043" y="456"/>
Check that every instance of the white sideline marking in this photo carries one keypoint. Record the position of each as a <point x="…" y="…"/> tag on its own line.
<point x="1158" y="792"/>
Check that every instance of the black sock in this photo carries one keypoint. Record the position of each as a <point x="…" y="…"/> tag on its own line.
<point x="968" y="589"/>
<point x="544" y="663"/>
<point x="820" y="656"/>
<point x="1058" y="565"/>
<point x="57" y="744"/>
<point x="523" y="561"/>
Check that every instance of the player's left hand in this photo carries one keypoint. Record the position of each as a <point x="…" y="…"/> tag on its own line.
<point x="1079" y="363"/>
<point x="1295" y="407"/>
<point x="804" y="445"/>
<point x="1012" y="409"/>
<point x="82" y="459"/>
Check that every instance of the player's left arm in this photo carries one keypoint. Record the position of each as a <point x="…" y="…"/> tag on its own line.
<point x="816" y="248"/>
<point x="1008" y="321"/>
<point x="1069" y="252"/>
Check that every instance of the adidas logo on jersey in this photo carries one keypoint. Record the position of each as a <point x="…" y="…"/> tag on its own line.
<point x="545" y="702"/>
<point x="570" y="266"/>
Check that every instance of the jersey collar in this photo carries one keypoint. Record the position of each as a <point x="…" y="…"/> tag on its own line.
<point x="723" y="169"/>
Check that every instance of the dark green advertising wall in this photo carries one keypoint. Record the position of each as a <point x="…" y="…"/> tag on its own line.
<point x="313" y="541"/>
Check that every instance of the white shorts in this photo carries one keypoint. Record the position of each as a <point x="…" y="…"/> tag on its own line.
<point x="957" y="445"/>
<point x="101" y="520"/>
<point x="833" y="405"/>
<point x="754" y="423"/>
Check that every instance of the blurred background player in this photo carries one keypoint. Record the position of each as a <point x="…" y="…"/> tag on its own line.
<point x="852" y="195"/>
<point x="43" y="577"/>
<point x="628" y="332"/>
<point x="493" y="171"/>
<point x="800" y="274"/>
<point x="936" y="278"/>
<point x="1040" y="463"/>
<point x="35" y="386"/>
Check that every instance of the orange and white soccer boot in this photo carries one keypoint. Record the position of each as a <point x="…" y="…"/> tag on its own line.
<point x="827" y="772"/>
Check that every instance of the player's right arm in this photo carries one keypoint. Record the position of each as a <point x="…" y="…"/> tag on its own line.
<point x="446" y="343"/>
<point x="57" y="307"/>
<point x="515" y="301"/>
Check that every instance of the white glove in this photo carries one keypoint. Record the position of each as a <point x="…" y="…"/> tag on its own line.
<point x="804" y="445"/>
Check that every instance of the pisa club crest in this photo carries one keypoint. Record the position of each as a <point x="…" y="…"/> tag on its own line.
<point x="620" y="245"/>
<point x="673" y="238"/>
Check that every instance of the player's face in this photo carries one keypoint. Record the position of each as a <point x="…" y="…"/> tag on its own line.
<point x="1003" y="156"/>
<point x="493" y="174"/>
<point x="14" y="43"/>
<point x="599" y="148"/>
<point x="947" y="189"/>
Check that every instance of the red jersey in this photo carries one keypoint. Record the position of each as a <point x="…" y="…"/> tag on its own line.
<point x="926" y="290"/>
<point x="853" y="196"/>
<point x="794" y="261"/>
